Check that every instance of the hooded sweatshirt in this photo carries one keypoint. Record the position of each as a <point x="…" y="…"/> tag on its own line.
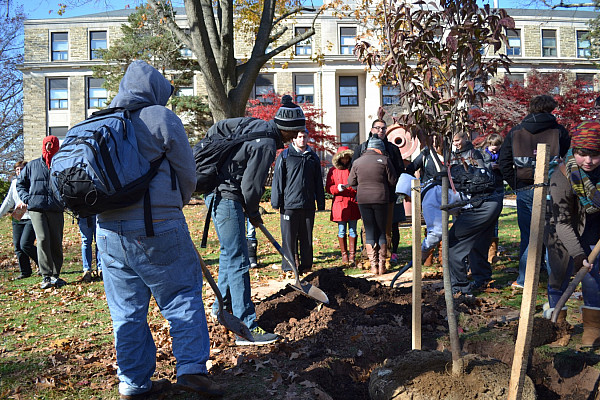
<point x="48" y="154"/>
<point x="158" y="130"/>
<point x="532" y="124"/>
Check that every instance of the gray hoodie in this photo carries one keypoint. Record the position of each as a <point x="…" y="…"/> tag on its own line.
<point x="158" y="130"/>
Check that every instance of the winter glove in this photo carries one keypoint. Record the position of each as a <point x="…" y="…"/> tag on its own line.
<point x="341" y="187"/>
<point x="256" y="220"/>
<point x="578" y="262"/>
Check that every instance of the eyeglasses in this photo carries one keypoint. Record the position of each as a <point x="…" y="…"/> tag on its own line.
<point x="380" y="128"/>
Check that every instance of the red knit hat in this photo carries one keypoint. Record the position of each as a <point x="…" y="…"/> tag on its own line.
<point x="586" y="136"/>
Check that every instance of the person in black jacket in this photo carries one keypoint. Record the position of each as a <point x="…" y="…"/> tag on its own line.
<point x="379" y="129"/>
<point x="297" y="184"/>
<point x="238" y="196"/>
<point x="517" y="162"/>
<point x="46" y="213"/>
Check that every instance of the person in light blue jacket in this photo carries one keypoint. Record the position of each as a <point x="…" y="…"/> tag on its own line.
<point x="23" y="233"/>
<point x="136" y="266"/>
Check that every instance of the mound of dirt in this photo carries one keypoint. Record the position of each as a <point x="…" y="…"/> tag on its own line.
<point x="425" y="375"/>
<point x="330" y="351"/>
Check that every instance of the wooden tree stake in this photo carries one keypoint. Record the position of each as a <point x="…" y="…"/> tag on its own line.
<point x="532" y="274"/>
<point x="416" y="258"/>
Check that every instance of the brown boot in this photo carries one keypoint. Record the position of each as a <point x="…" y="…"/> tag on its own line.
<point x="427" y="257"/>
<point x="591" y="326"/>
<point x="352" y="250"/>
<point x="373" y="258"/>
<point x="382" y="258"/>
<point x="493" y="251"/>
<point x="344" y="249"/>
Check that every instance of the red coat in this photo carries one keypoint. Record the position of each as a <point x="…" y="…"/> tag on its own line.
<point x="344" y="206"/>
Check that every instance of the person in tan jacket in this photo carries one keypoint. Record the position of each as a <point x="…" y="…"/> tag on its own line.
<point x="573" y="230"/>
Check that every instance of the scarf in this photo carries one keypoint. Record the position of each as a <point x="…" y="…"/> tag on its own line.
<point x="583" y="187"/>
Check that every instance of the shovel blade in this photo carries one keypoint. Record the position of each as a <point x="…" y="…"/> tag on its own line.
<point x="311" y="291"/>
<point x="235" y="325"/>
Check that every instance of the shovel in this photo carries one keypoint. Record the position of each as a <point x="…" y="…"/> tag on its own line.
<point x="571" y="288"/>
<point x="305" y="288"/>
<point x="229" y="321"/>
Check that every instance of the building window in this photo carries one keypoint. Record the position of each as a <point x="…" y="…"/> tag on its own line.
<point x="349" y="134"/>
<point x="348" y="90"/>
<point x="347" y="40"/>
<point x="304" y="88"/>
<point x="588" y="80"/>
<point x="185" y="91"/>
<point x="583" y="44"/>
<point x="263" y="86"/>
<point x="303" y="48"/>
<point x="185" y="51"/>
<point x="549" y="43"/>
<point x="59" y="94"/>
<point x="97" y="95"/>
<point x="514" y="79"/>
<point x="97" y="42"/>
<point x="59" y="131"/>
<point x="514" y="42"/>
<point x="60" y="46"/>
<point x="390" y="95"/>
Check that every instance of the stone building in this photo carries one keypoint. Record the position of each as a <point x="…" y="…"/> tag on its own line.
<point x="59" y="90"/>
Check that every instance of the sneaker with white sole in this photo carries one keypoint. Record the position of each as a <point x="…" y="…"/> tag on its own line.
<point x="261" y="337"/>
<point x="516" y="285"/>
<point x="57" y="282"/>
<point x="46" y="283"/>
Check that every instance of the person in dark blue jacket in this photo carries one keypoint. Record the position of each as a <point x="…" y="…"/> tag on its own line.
<point x="297" y="185"/>
<point x="46" y="213"/>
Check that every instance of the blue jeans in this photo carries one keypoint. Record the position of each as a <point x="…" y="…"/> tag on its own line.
<point x="165" y="266"/>
<point x="524" y="205"/>
<point x="234" y="265"/>
<point x="87" y="228"/>
<point x="351" y="228"/>
<point x="250" y="231"/>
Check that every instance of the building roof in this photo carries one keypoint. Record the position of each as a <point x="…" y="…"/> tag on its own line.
<point x="513" y="12"/>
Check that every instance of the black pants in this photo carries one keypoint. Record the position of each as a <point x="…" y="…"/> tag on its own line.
<point x="374" y="218"/>
<point x="297" y="227"/>
<point x="23" y="242"/>
<point x="469" y="241"/>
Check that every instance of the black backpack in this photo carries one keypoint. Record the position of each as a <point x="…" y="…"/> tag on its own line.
<point x="471" y="179"/>
<point x="212" y="151"/>
<point x="99" y="167"/>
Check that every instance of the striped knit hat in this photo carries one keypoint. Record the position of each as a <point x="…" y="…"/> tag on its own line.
<point x="586" y="136"/>
<point x="290" y="116"/>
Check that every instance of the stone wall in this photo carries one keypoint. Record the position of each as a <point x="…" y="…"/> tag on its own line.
<point x="34" y="115"/>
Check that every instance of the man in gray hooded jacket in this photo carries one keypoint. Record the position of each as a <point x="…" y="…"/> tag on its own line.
<point x="165" y="266"/>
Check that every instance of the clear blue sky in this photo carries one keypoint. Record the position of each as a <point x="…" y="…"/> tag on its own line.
<point x="48" y="8"/>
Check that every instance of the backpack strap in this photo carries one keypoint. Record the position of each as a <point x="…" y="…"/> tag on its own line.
<point x="112" y="110"/>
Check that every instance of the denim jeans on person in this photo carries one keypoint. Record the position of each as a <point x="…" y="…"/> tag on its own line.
<point x="234" y="265"/>
<point x="250" y="231"/>
<point x="165" y="266"/>
<point x="351" y="230"/>
<point x="524" y="207"/>
<point x="87" y="229"/>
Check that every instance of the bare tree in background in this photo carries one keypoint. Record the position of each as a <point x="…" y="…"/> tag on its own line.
<point x="11" y="92"/>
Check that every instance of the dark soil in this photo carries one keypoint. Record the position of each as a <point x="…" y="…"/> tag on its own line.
<point x="330" y="351"/>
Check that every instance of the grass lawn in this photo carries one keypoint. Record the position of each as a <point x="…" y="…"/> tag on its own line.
<point x="58" y="343"/>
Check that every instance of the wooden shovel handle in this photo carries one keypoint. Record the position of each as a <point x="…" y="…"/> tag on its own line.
<point x="571" y="288"/>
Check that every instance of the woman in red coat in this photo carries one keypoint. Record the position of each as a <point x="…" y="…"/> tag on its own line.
<point x="344" y="209"/>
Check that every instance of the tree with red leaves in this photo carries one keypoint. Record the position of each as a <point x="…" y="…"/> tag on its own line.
<point x="509" y="105"/>
<point x="321" y="140"/>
